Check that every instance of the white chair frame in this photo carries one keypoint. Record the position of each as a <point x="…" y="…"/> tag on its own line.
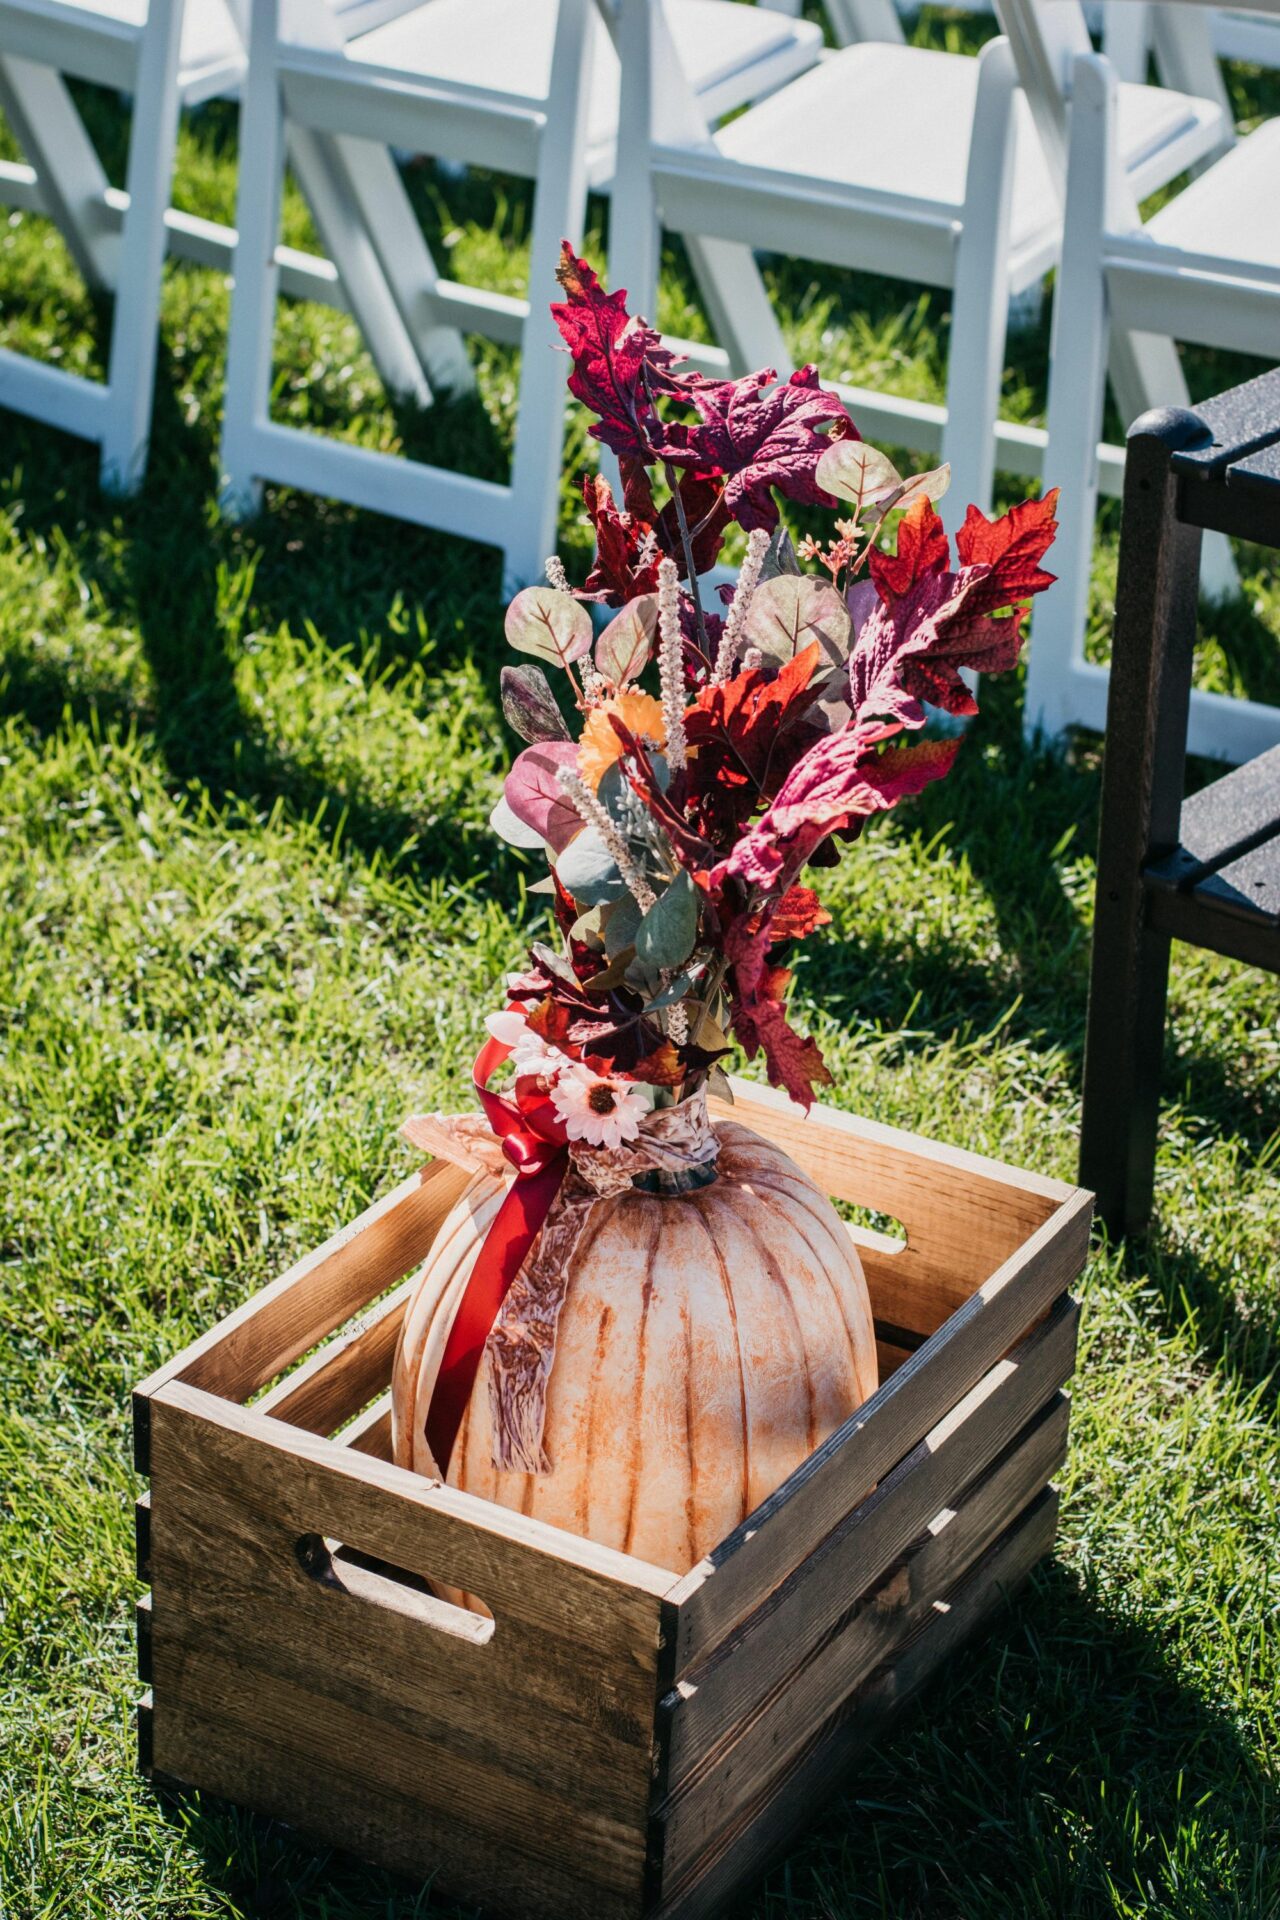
<point x="671" y="175"/>
<point x="1114" y="276"/>
<point x="315" y="92"/>
<point x="117" y="240"/>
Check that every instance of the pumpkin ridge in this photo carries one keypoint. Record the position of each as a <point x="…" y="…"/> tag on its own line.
<point x="778" y="1276"/>
<point x="593" y="1397"/>
<point x="822" y="1267"/>
<point x="796" y="1194"/>
<point x="701" y="1213"/>
<point x="691" y="1453"/>
<point x="637" y="1422"/>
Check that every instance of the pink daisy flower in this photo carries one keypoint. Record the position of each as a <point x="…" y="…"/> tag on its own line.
<point x="598" y="1109"/>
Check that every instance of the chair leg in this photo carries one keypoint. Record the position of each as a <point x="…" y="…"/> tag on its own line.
<point x="1142" y="782"/>
<point x="1124" y="1048"/>
<point x="348" y="240"/>
<point x="1077" y="385"/>
<point x="45" y="124"/>
<point x="253" y="299"/>
<point x="560" y="204"/>
<point x="980" y="304"/>
<point x="411" y="272"/>
<point x="742" y="315"/>
<point x="136" y="321"/>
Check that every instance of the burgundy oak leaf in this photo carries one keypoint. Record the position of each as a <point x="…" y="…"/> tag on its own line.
<point x="611" y="352"/>
<point x="759" y="436"/>
<point x="1012" y="548"/>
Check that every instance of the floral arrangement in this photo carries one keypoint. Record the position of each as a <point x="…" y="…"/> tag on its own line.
<point x="714" y="756"/>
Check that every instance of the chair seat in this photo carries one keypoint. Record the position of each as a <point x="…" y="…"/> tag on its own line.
<point x="730" y="52"/>
<point x="1230" y="212"/>
<point x="106" y="33"/>
<point x="897" y="120"/>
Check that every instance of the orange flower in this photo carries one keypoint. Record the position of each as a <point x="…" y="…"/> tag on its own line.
<point x="600" y="746"/>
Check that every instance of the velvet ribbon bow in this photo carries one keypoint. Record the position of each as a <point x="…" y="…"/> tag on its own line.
<point x="535" y="1144"/>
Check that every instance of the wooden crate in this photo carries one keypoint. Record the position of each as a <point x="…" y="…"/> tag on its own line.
<point x="616" y="1742"/>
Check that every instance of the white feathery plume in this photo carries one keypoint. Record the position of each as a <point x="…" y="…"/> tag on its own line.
<point x="678" y="1024"/>
<point x="748" y="580"/>
<point x="593" y="810"/>
<point x="556" y="575"/>
<point x="671" y="662"/>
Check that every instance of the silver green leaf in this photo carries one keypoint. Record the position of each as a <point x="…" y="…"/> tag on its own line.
<point x="666" y="935"/>
<point x="588" y="870"/>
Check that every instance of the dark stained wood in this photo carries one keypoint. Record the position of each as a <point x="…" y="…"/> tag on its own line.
<point x="759" y="1746"/>
<point x="766" y="1828"/>
<point x="798" y="1617"/>
<point x="1210" y="878"/>
<point x="142" y="1538"/>
<point x="733" y="1581"/>
<point x="142" y="1628"/>
<point x="1249" y="888"/>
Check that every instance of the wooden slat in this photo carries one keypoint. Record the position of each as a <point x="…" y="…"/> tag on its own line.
<point x="371" y="1431"/>
<point x="1230" y="815"/>
<point x="293" y="1314"/>
<point x="339" y="1378"/>
<point x="142" y="1633"/>
<point x="733" y="1581"/>
<point x="142" y="1538"/>
<point x="292" y="1483"/>
<point x="312" y="1787"/>
<point x="768" y="1826"/>
<point x="540" y="1732"/>
<point x="797" y="1620"/>
<point x="963" y="1215"/>
<point x="687" y="1824"/>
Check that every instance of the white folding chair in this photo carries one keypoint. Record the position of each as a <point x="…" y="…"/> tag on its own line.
<point x="476" y="81"/>
<point x="166" y="55"/>
<point x="1205" y="268"/>
<point x="885" y="158"/>
<point x="1188" y="41"/>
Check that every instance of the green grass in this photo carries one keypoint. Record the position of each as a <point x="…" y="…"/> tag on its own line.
<point x="251" y="916"/>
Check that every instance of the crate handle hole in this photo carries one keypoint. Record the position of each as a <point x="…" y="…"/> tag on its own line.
<point x="360" y="1576"/>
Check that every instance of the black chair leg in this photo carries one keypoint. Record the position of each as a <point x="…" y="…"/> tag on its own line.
<point x="1142" y="779"/>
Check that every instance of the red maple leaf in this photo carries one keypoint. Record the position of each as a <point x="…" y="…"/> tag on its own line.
<point x="759" y="436"/>
<point x="931" y="622"/>
<point x="757" y="1015"/>
<point x="922" y="548"/>
<point x="748" y="732"/>
<point x="1012" y="547"/>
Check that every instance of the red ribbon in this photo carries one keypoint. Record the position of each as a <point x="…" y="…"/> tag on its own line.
<point x="534" y="1141"/>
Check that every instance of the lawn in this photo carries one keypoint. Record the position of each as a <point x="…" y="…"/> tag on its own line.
<point x="251" y="915"/>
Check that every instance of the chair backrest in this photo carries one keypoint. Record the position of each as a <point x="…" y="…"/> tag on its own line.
<point x="1046" y="37"/>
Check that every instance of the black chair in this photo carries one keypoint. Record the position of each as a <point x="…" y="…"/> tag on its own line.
<point x="1205" y="870"/>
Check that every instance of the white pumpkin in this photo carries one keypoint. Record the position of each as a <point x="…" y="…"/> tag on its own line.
<point x="708" y="1342"/>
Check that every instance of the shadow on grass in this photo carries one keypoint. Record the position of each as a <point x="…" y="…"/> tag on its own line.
<point x="1065" y="1755"/>
<point x="190" y="582"/>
